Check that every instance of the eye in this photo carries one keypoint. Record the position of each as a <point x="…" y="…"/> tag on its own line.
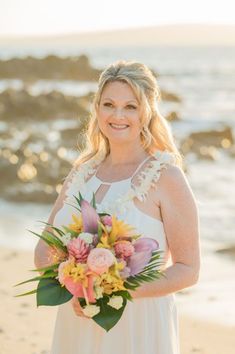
<point x="130" y="106"/>
<point x="108" y="104"/>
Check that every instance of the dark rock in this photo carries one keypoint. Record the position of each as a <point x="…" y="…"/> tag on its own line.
<point x="228" y="251"/>
<point x="54" y="105"/>
<point x="205" y="143"/>
<point x="173" y="117"/>
<point x="169" y="96"/>
<point x="51" y="67"/>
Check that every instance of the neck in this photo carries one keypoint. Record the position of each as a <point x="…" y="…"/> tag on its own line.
<point x="124" y="154"/>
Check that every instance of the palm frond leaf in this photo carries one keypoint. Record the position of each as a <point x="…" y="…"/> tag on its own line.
<point x="150" y="272"/>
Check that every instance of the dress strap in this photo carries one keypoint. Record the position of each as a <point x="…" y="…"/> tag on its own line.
<point x="139" y="167"/>
<point x="135" y="172"/>
<point x="80" y="175"/>
<point x="151" y="174"/>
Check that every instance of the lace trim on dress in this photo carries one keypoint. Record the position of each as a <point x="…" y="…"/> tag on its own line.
<point x="151" y="174"/>
<point x="80" y="176"/>
<point x="147" y="178"/>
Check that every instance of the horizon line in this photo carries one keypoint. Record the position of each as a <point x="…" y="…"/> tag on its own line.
<point x="99" y="31"/>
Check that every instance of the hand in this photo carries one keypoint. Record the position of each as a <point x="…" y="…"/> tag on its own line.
<point x="42" y="255"/>
<point x="138" y="293"/>
<point x="77" y="308"/>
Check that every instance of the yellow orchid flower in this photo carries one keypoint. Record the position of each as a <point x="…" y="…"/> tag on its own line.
<point x="110" y="282"/>
<point x="104" y="242"/>
<point x="77" y="271"/>
<point x="77" y="226"/>
<point x="119" y="229"/>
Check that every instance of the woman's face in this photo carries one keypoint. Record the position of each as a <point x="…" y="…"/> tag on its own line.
<point x="119" y="113"/>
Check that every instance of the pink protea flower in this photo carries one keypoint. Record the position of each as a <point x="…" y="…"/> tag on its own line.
<point x="124" y="249"/>
<point x="107" y="220"/>
<point x="100" y="259"/>
<point x="78" y="249"/>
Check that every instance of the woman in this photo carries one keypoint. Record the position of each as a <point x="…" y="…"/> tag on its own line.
<point x="132" y="165"/>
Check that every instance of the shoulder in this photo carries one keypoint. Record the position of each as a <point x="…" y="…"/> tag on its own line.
<point x="172" y="175"/>
<point x="164" y="169"/>
<point x="174" y="187"/>
<point x="149" y="176"/>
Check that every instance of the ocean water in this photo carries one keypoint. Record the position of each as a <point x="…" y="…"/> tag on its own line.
<point x="204" y="77"/>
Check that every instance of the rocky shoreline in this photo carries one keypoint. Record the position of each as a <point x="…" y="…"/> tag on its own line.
<point x="52" y="67"/>
<point x="40" y="135"/>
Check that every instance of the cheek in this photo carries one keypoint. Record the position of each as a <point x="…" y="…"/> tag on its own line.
<point x="102" y="117"/>
<point x="136" y="123"/>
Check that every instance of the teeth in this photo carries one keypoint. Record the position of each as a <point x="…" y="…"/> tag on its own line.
<point x="119" y="125"/>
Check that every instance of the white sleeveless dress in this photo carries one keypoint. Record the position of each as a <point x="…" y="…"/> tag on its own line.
<point x="148" y="325"/>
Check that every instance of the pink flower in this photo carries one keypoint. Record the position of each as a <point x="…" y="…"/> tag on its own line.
<point x="61" y="270"/>
<point x="73" y="275"/>
<point x="78" y="249"/>
<point x="76" y="288"/>
<point x="124" y="249"/>
<point x="99" y="260"/>
<point x="146" y="244"/>
<point x="144" y="247"/>
<point x="107" y="220"/>
<point x="90" y="217"/>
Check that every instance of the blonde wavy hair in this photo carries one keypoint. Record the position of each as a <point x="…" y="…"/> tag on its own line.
<point x="155" y="134"/>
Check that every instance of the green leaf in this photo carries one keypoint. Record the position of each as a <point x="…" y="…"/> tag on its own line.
<point x="50" y="239"/>
<point x="60" y="232"/>
<point x="54" y="239"/>
<point x="45" y="269"/>
<point x="44" y="276"/>
<point x="51" y="293"/>
<point x="99" y="231"/>
<point x="108" y="316"/>
<point x="148" y="274"/>
<point x="124" y="294"/>
<point x="103" y="214"/>
<point x="80" y="198"/>
<point x="72" y="232"/>
<point x="129" y="286"/>
<point x="93" y="202"/>
<point x="41" y="237"/>
<point x="28" y="293"/>
<point x="72" y="205"/>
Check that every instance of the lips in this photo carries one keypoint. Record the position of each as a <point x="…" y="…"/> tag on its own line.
<point x="119" y="126"/>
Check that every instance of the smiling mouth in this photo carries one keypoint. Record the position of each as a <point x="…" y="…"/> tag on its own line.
<point x="118" y="126"/>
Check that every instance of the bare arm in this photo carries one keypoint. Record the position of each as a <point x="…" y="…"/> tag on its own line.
<point x="43" y="250"/>
<point x="181" y="224"/>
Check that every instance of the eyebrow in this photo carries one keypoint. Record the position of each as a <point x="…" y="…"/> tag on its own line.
<point x="108" y="98"/>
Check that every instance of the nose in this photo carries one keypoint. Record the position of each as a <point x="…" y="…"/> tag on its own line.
<point x="118" y="113"/>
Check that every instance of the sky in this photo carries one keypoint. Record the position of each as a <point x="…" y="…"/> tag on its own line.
<point x="42" y="17"/>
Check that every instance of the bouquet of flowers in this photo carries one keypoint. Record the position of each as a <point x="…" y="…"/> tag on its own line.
<point x="98" y="259"/>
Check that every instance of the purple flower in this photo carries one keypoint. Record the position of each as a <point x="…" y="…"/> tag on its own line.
<point x="107" y="220"/>
<point x="90" y="217"/>
<point x="144" y="247"/>
<point x="146" y="244"/>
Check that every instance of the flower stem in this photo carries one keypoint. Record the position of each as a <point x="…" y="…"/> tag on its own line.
<point x="85" y="294"/>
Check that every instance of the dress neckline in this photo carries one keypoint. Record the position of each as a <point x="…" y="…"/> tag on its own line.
<point x="124" y="179"/>
<point x="110" y="183"/>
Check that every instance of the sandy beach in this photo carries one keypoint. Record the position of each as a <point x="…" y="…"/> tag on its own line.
<point x="26" y="329"/>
